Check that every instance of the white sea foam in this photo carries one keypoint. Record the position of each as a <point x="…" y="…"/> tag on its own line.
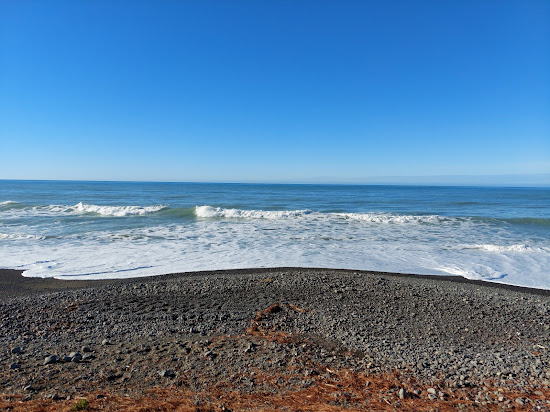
<point x="79" y="209"/>
<point x="20" y="236"/>
<point x="381" y="218"/>
<point x="236" y="238"/>
<point x="117" y="210"/>
<point x="510" y="248"/>
<point x="209" y="211"/>
<point x="7" y="202"/>
<point x="395" y="219"/>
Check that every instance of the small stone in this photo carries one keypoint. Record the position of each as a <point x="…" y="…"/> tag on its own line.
<point x="75" y="356"/>
<point x="105" y="342"/>
<point x="16" y="350"/>
<point x="56" y="397"/>
<point x="66" y="358"/>
<point x="50" y="359"/>
<point x="520" y="401"/>
<point x="100" y="396"/>
<point x="431" y="391"/>
<point x="250" y="347"/>
<point x="165" y="373"/>
<point x="402" y="393"/>
<point x="15" y="366"/>
<point x="86" y="349"/>
<point x="28" y="388"/>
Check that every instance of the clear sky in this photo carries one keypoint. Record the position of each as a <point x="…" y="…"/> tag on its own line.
<point x="291" y="91"/>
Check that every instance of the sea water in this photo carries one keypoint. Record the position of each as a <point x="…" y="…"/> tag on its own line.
<point x="99" y="230"/>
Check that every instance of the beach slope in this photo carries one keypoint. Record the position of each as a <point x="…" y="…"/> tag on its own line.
<point x="265" y="339"/>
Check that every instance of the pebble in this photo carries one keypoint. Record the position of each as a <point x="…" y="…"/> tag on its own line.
<point x="166" y="373"/>
<point x="374" y="321"/>
<point x="17" y="350"/>
<point x="15" y="366"/>
<point x="50" y="359"/>
<point x="75" y="356"/>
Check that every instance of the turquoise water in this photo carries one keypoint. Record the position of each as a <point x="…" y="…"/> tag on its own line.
<point x="118" y="229"/>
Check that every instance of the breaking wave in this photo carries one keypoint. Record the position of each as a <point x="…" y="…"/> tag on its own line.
<point x="380" y="218"/>
<point x="117" y="210"/>
<point x="20" y="236"/>
<point x="209" y="211"/>
<point x="395" y="219"/>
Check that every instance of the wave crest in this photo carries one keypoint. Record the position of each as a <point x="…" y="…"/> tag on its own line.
<point x="118" y="211"/>
<point x="395" y="219"/>
<point x="209" y="211"/>
<point x="20" y="236"/>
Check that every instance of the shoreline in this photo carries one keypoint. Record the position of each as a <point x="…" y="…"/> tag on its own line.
<point x="267" y="339"/>
<point x="13" y="283"/>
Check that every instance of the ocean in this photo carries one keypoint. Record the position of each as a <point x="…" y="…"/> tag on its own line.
<point x="99" y="230"/>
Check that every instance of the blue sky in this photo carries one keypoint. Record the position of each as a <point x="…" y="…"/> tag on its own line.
<point x="290" y="91"/>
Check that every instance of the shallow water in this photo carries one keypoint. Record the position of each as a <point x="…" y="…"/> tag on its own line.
<point x="94" y="230"/>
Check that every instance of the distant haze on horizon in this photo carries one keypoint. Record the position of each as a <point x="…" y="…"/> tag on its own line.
<point x="352" y="92"/>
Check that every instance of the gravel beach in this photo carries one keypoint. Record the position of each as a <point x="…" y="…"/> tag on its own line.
<point x="269" y="339"/>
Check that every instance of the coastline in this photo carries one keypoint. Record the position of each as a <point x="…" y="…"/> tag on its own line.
<point x="257" y="338"/>
<point x="12" y="283"/>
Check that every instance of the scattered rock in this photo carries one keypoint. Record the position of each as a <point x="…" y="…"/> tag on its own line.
<point x="15" y="366"/>
<point x="16" y="350"/>
<point x="166" y="373"/>
<point x="520" y="401"/>
<point x="88" y="357"/>
<point x="50" y="359"/>
<point x="75" y="356"/>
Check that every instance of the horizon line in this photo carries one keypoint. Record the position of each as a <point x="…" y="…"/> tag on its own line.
<point x="375" y="181"/>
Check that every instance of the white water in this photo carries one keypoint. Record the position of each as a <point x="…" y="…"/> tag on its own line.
<point x="225" y="238"/>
